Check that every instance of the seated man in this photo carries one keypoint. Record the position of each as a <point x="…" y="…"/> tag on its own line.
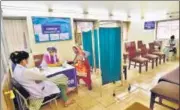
<point x="171" y="47"/>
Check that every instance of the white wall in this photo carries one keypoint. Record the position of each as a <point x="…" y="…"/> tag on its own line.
<point x="136" y="32"/>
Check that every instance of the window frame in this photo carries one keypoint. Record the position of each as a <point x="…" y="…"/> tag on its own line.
<point x="156" y="26"/>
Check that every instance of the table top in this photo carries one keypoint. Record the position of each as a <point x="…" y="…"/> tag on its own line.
<point x="53" y="70"/>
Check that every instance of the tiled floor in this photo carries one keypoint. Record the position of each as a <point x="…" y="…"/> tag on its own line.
<point x="100" y="97"/>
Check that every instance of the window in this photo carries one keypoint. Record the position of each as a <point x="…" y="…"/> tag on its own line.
<point x="167" y="28"/>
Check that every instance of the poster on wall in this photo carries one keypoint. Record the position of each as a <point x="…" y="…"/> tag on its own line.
<point x="47" y="29"/>
<point x="149" y="25"/>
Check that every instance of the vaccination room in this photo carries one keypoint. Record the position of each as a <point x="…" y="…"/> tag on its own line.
<point x="90" y="55"/>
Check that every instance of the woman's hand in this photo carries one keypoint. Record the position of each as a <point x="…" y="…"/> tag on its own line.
<point x="59" y="64"/>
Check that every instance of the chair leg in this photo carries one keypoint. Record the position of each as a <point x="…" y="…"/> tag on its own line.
<point x="160" y="59"/>
<point x="164" y="58"/>
<point x="56" y="108"/>
<point x="152" y="101"/>
<point x="160" y="100"/>
<point x="156" y="61"/>
<point x="147" y="66"/>
<point x="152" y="63"/>
<point x="129" y="64"/>
<point x="135" y="65"/>
<point x="140" y="65"/>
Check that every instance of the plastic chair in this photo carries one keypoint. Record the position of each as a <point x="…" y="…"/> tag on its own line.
<point x="22" y="96"/>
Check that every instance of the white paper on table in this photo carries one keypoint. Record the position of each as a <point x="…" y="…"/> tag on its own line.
<point x="43" y="37"/>
<point x="37" y="29"/>
<point x="64" y="36"/>
<point x="54" y="36"/>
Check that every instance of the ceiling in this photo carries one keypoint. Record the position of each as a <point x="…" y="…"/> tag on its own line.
<point x="128" y="7"/>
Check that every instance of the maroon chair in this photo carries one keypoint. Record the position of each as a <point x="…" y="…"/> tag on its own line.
<point x="133" y="57"/>
<point x="38" y="59"/>
<point x="159" y="44"/>
<point x="127" y="46"/>
<point x="152" y="50"/>
<point x="152" y="58"/>
<point x="133" y="45"/>
<point x="139" y="44"/>
<point x="167" y="91"/>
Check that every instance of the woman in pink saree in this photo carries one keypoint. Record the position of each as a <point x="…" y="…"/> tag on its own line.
<point x="50" y="57"/>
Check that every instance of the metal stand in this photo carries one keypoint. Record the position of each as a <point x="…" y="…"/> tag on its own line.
<point x="125" y="77"/>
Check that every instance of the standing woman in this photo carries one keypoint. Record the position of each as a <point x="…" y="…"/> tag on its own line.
<point x="82" y="66"/>
<point x="34" y="81"/>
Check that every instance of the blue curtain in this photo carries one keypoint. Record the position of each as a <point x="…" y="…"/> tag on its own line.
<point x="110" y="54"/>
<point x="96" y="48"/>
<point x="87" y="45"/>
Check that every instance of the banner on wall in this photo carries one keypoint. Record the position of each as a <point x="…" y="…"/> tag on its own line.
<point x="47" y="29"/>
<point x="149" y="25"/>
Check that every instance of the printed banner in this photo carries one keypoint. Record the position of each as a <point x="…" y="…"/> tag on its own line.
<point x="149" y="25"/>
<point x="48" y="29"/>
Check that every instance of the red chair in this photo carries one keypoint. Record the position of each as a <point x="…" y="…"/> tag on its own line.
<point x="87" y="79"/>
<point x="152" y="58"/>
<point x="139" y="44"/>
<point x="127" y="46"/>
<point x="153" y="51"/>
<point x="159" y="44"/>
<point x="133" y="45"/>
<point x="38" y="59"/>
<point x="133" y="57"/>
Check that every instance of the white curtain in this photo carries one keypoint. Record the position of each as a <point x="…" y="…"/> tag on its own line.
<point x="4" y="52"/>
<point x="84" y="26"/>
<point x="16" y="34"/>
